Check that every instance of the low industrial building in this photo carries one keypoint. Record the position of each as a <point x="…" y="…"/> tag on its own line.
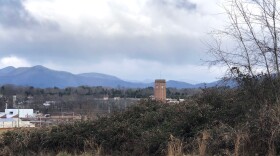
<point x="12" y="118"/>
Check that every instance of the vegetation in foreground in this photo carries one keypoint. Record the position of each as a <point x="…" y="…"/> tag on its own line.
<point x="219" y="121"/>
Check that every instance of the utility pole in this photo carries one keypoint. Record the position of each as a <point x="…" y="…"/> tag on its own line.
<point x="18" y="117"/>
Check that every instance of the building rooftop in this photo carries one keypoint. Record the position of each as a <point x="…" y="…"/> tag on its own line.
<point x="160" y="81"/>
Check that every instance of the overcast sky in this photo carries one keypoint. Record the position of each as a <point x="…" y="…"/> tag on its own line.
<point x="131" y="39"/>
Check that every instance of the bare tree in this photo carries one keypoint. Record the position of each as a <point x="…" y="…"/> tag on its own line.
<point x="253" y="38"/>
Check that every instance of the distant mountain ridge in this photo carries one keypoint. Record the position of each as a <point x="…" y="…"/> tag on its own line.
<point x="42" y="77"/>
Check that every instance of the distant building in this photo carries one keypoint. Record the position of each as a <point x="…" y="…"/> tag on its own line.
<point x="152" y="97"/>
<point x="182" y="100"/>
<point x="22" y="113"/>
<point x="48" y="103"/>
<point x="12" y="118"/>
<point x="14" y="122"/>
<point x="160" y="90"/>
<point x="117" y="98"/>
<point x="106" y="98"/>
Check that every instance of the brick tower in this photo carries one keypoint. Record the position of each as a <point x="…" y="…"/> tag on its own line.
<point x="160" y="90"/>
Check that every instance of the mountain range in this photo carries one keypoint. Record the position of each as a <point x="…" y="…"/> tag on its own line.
<point x="42" y="77"/>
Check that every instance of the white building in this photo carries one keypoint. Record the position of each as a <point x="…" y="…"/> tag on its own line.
<point x="14" y="122"/>
<point x="12" y="118"/>
<point x="23" y="113"/>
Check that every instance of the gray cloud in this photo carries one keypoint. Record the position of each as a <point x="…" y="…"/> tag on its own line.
<point x="65" y="48"/>
<point x="180" y="4"/>
<point x="13" y="14"/>
<point x="185" y="5"/>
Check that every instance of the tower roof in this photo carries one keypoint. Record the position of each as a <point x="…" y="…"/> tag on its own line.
<point x="160" y="81"/>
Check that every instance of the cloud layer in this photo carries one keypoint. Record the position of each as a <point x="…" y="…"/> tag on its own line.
<point x="13" y="61"/>
<point x="114" y="37"/>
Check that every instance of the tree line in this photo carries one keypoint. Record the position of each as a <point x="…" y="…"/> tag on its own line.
<point x="82" y="100"/>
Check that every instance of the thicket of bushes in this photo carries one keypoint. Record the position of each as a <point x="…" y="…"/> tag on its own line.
<point x="221" y="121"/>
<point x="143" y="129"/>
